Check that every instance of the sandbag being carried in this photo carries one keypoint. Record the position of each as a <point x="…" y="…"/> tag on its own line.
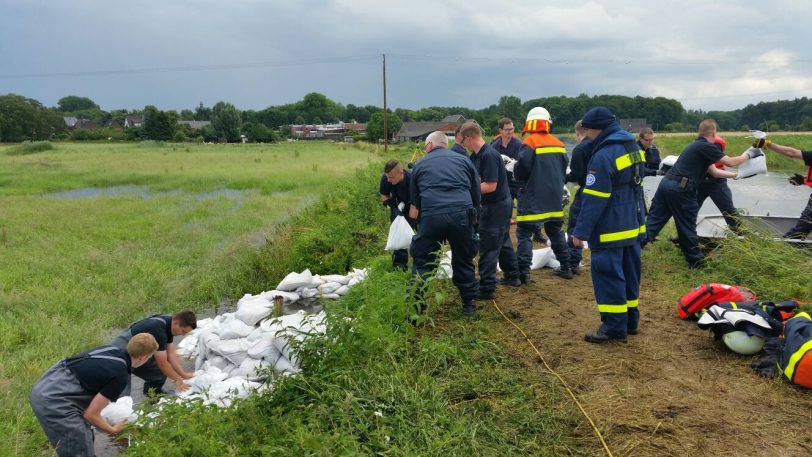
<point x="752" y="167"/>
<point x="400" y="235"/>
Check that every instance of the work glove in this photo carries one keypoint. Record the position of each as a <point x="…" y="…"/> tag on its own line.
<point x="760" y="143"/>
<point x="755" y="151"/>
<point x="796" y="180"/>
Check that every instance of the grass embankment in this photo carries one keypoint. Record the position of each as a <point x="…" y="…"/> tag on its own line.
<point x="180" y="226"/>
<point x="376" y="385"/>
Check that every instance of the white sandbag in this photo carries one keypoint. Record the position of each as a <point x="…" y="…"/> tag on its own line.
<point x="553" y="263"/>
<point x="541" y="257"/>
<point x="329" y="287"/>
<point x="121" y="410"/>
<point x="216" y="361"/>
<point x="235" y="328"/>
<point x="342" y="290"/>
<point x="234" y="350"/>
<point x="249" y="369"/>
<point x="252" y="311"/>
<point x="204" y="340"/>
<point x="287" y="296"/>
<point x="400" y="235"/>
<point x="316" y="282"/>
<point x="284" y="366"/>
<point x="309" y="293"/>
<point x="264" y="349"/>
<point x="752" y="167"/>
<point x="445" y="270"/>
<point x="295" y="280"/>
<point x="343" y="280"/>
<point x="353" y="281"/>
<point x="203" y="379"/>
<point x="332" y="296"/>
<point x="257" y="334"/>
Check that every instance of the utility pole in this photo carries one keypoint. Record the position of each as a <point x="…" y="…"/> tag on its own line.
<point x="385" y="123"/>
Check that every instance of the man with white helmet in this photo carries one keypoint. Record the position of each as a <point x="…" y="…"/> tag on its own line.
<point x="542" y="166"/>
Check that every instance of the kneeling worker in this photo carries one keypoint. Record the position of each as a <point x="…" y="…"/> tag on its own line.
<point x="71" y="395"/>
<point x="165" y="363"/>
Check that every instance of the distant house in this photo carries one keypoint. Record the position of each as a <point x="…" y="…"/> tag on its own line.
<point x="113" y="124"/>
<point x="633" y="125"/>
<point x="418" y="131"/>
<point x="325" y="131"/>
<point x="133" y="122"/>
<point x="74" y="123"/>
<point x="194" y="125"/>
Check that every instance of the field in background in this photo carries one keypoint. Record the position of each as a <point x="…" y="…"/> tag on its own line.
<point x="94" y="236"/>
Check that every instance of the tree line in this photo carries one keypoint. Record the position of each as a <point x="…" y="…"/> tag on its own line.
<point x="24" y="118"/>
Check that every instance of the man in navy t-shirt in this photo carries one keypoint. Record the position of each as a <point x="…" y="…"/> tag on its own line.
<point x="494" y="221"/>
<point x="71" y="395"/>
<point x="676" y="194"/>
<point x="394" y="190"/>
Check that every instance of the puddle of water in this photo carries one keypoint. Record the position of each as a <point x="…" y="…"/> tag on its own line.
<point x="115" y="191"/>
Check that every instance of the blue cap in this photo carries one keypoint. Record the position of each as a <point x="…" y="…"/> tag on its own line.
<point x="598" y="118"/>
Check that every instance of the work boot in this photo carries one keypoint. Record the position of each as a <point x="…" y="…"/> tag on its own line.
<point x="469" y="310"/>
<point x="486" y="295"/>
<point x="563" y="273"/>
<point x="576" y="269"/>
<point x="514" y="282"/>
<point x="525" y="278"/>
<point x="599" y="337"/>
<point x="632" y="331"/>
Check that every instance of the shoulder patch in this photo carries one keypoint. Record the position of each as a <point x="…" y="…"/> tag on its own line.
<point x="590" y="179"/>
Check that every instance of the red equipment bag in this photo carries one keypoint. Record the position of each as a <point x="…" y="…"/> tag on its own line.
<point x="710" y="294"/>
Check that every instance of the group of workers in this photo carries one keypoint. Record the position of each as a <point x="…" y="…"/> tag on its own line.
<point x="71" y="395"/>
<point x="464" y="196"/>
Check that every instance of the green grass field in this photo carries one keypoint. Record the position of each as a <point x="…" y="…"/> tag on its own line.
<point x="179" y="227"/>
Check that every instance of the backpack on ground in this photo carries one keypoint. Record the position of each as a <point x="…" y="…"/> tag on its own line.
<point x="710" y="294"/>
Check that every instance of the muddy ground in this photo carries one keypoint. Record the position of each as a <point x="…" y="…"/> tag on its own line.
<point x="670" y="391"/>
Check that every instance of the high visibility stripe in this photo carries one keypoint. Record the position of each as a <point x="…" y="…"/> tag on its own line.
<point x="626" y="160"/>
<point x="538" y="217"/>
<point x="795" y="358"/>
<point x="624" y="235"/>
<point x="597" y="193"/>
<point x="551" y="150"/>
<point x="733" y="305"/>
<point x="632" y="303"/>
<point x="613" y="309"/>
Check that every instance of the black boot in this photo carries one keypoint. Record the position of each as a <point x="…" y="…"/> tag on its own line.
<point x="563" y="272"/>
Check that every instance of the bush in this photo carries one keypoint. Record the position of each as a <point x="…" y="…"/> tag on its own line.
<point x="30" y="147"/>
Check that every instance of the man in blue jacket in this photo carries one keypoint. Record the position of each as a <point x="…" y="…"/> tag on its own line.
<point x="581" y="154"/>
<point x="445" y="195"/>
<point x="612" y="220"/>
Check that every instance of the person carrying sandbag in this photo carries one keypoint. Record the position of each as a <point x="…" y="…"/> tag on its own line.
<point x="394" y="190"/>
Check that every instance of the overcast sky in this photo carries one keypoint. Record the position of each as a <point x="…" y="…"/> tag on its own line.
<point x="175" y="54"/>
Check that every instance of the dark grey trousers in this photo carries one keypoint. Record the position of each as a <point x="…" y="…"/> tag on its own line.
<point x="59" y="402"/>
<point x="150" y="372"/>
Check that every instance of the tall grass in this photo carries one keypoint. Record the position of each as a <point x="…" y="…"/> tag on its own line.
<point x="72" y="270"/>
<point x="376" y="385"/>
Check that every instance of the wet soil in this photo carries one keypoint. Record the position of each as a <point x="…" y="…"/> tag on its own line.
<point x="670" y="391"/>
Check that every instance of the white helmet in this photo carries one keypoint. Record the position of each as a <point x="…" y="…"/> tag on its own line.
<point x="538" y="113"/>
<point x="741" y="343"/>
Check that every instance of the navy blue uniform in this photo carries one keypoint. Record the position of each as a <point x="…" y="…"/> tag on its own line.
<point x="160" y="327"/>
<point x="676" y="196"/>
<point x="543" y="167"/>
<point x="804" y="225"/>
<point x="61" y="396"/>
<point x="652" y="157"/>
<point x="612" y="220"/>
<point x="445" y="188"/>
<point x="398" y="193"/>
<point x="721" y="196"/>
<point x="581" y="155"/>
<point x="494" y="222"/>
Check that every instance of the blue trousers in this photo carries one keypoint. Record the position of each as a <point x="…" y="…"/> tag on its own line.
<point x="576" y="254"/>
<point x="524" y="251"/>
<point x="457" y="228"/>
<point x="671" y="200"/>
<point x="495" y="245"/>
<point x="722" y="197"/>
<point x="616" y="281"/>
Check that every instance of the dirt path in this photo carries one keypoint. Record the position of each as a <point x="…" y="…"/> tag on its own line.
<point x="671" y="391"/>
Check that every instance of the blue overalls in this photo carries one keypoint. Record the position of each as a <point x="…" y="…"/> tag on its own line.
<point x="612" y="220"/>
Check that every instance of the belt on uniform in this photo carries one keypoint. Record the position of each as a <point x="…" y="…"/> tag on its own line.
<point x="684" y="181"/>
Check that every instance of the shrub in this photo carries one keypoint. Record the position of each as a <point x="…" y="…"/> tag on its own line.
<point x="30" y="147"/>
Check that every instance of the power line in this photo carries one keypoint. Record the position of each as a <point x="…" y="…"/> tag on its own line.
<point x="191" y="68"/>
<point x="579" y="60"/>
